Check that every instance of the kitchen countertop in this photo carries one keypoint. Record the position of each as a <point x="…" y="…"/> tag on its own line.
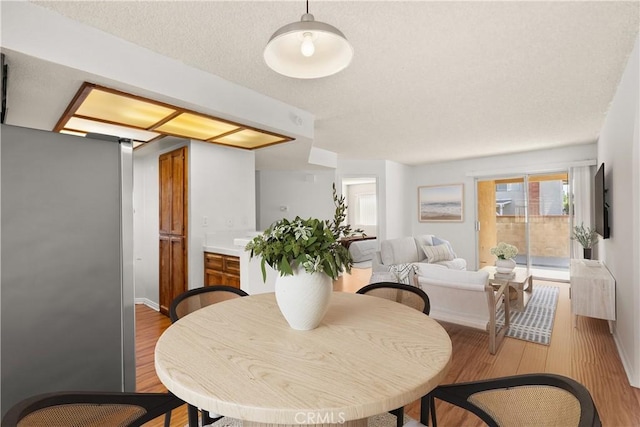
<point x="224" y="250"/>
<point x="228" y="243"/>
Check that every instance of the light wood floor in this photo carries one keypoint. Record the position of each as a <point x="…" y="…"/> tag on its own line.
<point x="587" y="353"/>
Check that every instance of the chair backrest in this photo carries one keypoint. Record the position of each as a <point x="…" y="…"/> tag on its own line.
<point x="398" y="292"/>
<point x="527" y="400"/>
<point x="90" y="409"/>
<point x="194" y="299"/>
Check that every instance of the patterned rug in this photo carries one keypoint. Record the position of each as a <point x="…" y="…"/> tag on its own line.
<point x="535" y="323"/>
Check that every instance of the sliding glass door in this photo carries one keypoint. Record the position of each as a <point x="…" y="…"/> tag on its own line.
<point x="530" y="212"/>
<point x="502" y="217"/>
<point x="549" y="223"/>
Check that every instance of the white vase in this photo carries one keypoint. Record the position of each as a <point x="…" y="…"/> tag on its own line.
<point x="303" y="298"/>
<point x="505" y="266"/>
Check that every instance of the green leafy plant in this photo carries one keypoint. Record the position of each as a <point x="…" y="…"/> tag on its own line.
<point x="586" y="236"/>
<point x="504" y="251"/>
<point x="310" y="243"/>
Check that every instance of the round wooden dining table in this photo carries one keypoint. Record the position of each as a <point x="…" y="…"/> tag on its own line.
<point x="241" y="359"/>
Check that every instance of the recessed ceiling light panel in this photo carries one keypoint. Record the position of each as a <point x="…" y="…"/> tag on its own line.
<point x="97" y="109"/>
<point x="248" y="139"/>
<point x="92" y="126"/>
<point x="196" y="126"/>
<point x="115" y="108"/>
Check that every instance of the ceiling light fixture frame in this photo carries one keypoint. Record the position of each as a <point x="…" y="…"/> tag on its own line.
<point x="160" y="126"/>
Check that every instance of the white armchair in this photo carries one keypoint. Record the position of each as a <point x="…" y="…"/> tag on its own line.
<point x="464" y="298"/>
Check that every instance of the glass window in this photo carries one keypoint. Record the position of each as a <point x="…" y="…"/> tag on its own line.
<point x="367" y="213"/>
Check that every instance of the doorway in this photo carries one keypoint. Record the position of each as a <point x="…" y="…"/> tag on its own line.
<point x="530" y="212"/>
<point x="361" y="195"/>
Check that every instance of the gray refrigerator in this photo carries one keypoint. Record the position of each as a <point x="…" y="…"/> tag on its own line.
<point x="67" y="316"/>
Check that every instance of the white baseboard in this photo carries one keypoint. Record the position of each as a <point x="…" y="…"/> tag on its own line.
<point x="152" y="305"/>
<point x="628" y="367"/>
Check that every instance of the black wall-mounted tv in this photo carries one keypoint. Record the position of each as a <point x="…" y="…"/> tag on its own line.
<point x="600" y="204"/>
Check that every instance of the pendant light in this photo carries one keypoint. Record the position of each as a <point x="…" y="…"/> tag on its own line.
<point x="308" y="49"/>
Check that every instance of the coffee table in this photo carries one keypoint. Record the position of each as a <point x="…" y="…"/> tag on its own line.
<point x="520" y="286"/>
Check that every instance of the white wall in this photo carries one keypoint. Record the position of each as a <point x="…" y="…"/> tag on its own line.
<point x="304" y="193"/>
<point x="619" y="150"/>
<point x="397" y="200"/>
<point x="462" y="235"/>
<point x="221" y="187"/>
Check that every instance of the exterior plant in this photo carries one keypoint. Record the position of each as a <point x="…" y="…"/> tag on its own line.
<point x="586" y="236"/>
<point x="310" y="243"/>
<point x="504" y="251"/>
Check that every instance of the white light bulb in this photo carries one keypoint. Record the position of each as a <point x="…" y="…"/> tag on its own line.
<point x="307" y="48"/>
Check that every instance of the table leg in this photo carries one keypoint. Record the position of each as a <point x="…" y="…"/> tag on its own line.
<point x="519" y="297"/>
<point x="610" y="326"/>
<point x="507" y="313"/>
<point x="192" y="412"/>
<point x="494" y="301"/>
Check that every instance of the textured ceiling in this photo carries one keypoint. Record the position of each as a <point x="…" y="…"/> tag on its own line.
<point x="429" y="82"/>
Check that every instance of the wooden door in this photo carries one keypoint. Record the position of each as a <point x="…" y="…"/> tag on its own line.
<point x="487" y="236"/>
<point x="172" y="226"/>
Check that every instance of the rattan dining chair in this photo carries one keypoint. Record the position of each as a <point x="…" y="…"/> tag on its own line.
<point x="194" y="299"/>
<point x="190" y="301"/>
<point x="408" y="295"/>
<point x="404" y="294"/>
<point x="91" y="409"/>
<point x="522" y="400"/>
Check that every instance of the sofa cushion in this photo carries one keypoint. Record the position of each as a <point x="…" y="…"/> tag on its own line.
<point x="437" y="253"/>
<point x="399" y="251"/>
<point x="454" y="264"/>
<point x="455" y="278"/>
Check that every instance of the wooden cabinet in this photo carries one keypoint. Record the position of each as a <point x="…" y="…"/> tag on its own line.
<point x="172" y="226"/>
<point x="221" y="269"/>
<point x="173" y="270"/>
<point x="593" y="291"/>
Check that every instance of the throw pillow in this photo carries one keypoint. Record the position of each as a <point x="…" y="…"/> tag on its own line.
<point x="437" y="253"/>
<point x="438" y="241"/>
<point x="403" y="272"/>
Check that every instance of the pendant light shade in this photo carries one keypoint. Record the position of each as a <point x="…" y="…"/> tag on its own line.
<point x="308" y="49"/>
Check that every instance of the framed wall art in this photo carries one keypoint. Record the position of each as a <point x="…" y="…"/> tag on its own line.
<point x="441" y="203"/>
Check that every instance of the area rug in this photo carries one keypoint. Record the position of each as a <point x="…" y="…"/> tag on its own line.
<point x="535" y="323"/>
<point x="382" y="420"/>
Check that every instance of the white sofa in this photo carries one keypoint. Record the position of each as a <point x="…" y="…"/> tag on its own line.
<point x="409" y="250"/>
